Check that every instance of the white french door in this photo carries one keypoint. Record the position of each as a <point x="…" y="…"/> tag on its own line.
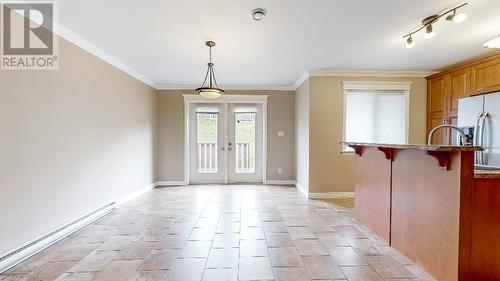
<point x="207" y="143"/>
<point x="244" y="136"/>
<point x="225" y="143"/>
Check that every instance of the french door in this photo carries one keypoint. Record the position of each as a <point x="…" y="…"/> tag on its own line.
<point x="225" y="143"/>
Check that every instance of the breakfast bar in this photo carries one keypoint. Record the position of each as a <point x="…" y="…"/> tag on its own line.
<point x="428" y="202"/>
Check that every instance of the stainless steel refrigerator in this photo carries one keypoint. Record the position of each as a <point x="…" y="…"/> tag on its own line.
<point x="479" y="117"/>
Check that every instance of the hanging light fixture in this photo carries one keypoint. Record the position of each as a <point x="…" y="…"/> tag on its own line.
<point x="210" y="91"/>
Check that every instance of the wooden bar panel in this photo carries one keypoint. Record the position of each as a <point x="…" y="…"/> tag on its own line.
<point x="373" y="191"/>
<point x="426" y="209"/>
<point x="485" y="246"/>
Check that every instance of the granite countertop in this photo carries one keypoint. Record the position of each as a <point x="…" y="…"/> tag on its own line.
<point x="418" y="146"/>
<point x="487" y="174"/>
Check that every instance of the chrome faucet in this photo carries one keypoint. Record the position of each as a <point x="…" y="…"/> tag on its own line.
<point x="463" y="136"/>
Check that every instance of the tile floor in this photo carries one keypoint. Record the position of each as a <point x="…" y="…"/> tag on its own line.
<point x="221" y="233"/>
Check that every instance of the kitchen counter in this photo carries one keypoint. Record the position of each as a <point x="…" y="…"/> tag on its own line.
<point x="417" y="146"/>
<point x="429" y="203"/>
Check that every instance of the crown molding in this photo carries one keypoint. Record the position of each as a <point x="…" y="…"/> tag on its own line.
<point x="301" y="79"/>
<point x="360" y="73"/>
<point x="370" y="73"/>
<point x="80" y="42"/>
<point x="228" y="87"/>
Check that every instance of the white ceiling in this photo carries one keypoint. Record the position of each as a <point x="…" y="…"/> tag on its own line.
<point x="162" y="41"/>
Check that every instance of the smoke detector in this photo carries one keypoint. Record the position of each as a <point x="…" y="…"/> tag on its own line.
<point x="258" y="14"/>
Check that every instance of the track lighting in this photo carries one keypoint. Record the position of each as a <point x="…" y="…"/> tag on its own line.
<point x="429" y="32"/>
<point x="410" y="43"/>
<point x="427" y="23"/>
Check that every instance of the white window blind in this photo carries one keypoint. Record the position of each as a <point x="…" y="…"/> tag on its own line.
<point x="375" y="116"/>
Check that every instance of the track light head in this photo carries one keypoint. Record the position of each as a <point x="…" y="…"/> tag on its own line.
<point x="429" y="32"/>
<point x="410" y="43"/>
<point x="456" y="18"/>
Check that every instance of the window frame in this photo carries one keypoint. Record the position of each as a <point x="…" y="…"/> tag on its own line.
<point x="374" y="86"/>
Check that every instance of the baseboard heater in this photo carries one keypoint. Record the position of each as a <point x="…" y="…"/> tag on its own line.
<point x="12" y="259"/>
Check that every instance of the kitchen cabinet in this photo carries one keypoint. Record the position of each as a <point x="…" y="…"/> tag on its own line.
<point x="444" y="89"/>
<point x="443" y="93"/>
<point x="486" y="77"/>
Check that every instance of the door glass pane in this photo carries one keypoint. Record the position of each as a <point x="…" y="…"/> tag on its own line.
<point x="245" y="142"/>
<point x="207" y="142"/>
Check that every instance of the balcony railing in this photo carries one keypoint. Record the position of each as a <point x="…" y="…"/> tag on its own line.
<point x="207" y="158"/>
<point x="243" y="157"/>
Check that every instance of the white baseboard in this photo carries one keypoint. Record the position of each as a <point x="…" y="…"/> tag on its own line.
<point x="170" y="183"/>
<point x="15" y="257"/>
<point x="280" y="182"/>
<point x="331" y="195"/>
<point x="302" y="190"/>
<point x="134" y="195"/>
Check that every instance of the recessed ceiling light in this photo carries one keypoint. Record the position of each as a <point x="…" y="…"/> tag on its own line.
<point x="493" y="43"/>
<point x="258" y="14"/>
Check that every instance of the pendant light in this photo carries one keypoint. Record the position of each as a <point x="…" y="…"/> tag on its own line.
<point x="210" y="91"/>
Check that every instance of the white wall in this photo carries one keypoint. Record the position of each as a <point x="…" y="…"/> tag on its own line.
<point x="302" y="136"/>
<point x="280" y="117"/>
<point x="71" y="141"/>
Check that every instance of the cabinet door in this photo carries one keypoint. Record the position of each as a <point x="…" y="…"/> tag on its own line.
<point x="437" y="96"/>
<point x="436" y="106"/>
<point x="440" y="135"/>
<point x="459" y="88"/>
<point x="486" y="77"/>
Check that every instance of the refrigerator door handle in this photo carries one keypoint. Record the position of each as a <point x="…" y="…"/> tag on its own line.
<point x="476" y="140"/>
<point x="483" y="123"/>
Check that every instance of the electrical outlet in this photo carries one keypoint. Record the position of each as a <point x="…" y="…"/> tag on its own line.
<point x="280" y="171"/>
<point x="281" y="133"/>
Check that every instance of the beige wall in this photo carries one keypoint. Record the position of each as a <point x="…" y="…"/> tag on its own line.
<point x="72" y="141"/>
<point x="280" y="113"/>
<point x="331" y="171"/>
<point x="302" y="136"/>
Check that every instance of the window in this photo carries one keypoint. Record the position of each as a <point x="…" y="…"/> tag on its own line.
<point x="376" y="112"/>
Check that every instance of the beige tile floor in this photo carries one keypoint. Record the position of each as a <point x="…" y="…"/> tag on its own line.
<point x="219" y="233"/>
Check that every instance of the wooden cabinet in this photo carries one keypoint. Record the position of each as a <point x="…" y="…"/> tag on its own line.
<point x="446" y="88"/>
<point x="459" y="88"/>
<point x="442" y="107"/>
<point x="486" y="77"/>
